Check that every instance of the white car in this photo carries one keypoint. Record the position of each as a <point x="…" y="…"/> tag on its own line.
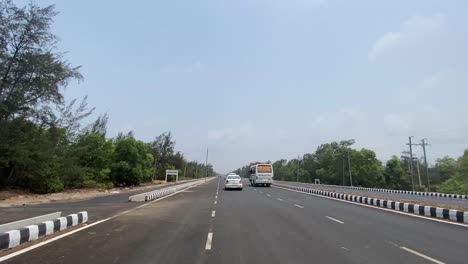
<point x="233" y="182"/>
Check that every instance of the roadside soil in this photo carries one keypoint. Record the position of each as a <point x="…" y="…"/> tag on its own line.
<point x="13" y="197"/>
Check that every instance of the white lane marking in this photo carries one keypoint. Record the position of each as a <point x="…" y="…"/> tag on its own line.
<point x="209" y="241"/>
<point x="345" y="248"/>
<point x="216" y="197"/>
<point x="215" y="202"/>
<point x="279" y="199"/>
<point x="260" y="191"/>
<point x="422" y="255"/>
<point x="24" y="250"/>
<point x="255" y="189"/>
<point x="298" y="206"/>
<point x="333" y="219"/>
<point x="268" y="195"/>
<point x="213" y="213"/>
<point x="375" y="207"/>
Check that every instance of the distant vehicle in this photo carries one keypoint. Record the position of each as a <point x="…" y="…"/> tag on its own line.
<point x="261" y="174"/>
<point x="231" y="173"/>
<point x="233" y="181"/>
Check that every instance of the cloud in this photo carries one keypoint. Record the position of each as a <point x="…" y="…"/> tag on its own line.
<point x="196" y="67"/>
<point x="244" y="130"/>
<point x="396" y="124"/>
<point x="418" y="31"/>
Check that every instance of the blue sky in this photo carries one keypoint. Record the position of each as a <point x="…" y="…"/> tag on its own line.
<point x="270" y="79"/>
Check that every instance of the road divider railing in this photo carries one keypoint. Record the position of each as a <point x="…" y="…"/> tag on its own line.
<point x="423" y="210"/>
<point x="433" y="194"/>
<point x="156" y="194"/>
<point x="13" y="238"/>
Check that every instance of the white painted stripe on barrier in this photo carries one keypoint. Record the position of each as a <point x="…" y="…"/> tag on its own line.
<point x="427" y="211"/>
<point x="74" y="219"/>
<point x="49" y="227"/>
<point x="453" y="214"/>
<point x="389" y="204"/>
<point x="33" y="232"/>
<point x="397" y="205"/>
<point x="465" y="217"/>
<point x="405" y="207"/>
<point x="417" y="208"/>
<point x="15" y="238"/>
<point x="63" y="223"/>
<point x="85" y="216"/>
<point x="439" y="212"/>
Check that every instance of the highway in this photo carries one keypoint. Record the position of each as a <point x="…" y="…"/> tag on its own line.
<point x="442" y="201"/>
<point x="98" y="207"/>
<point x="206" y="224"/>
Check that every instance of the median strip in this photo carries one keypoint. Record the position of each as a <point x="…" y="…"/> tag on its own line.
<point x="15" y="237"/>
<point x="422" y="210"/>
<point x="153" y="195"/>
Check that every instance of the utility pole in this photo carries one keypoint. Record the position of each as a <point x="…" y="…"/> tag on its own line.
<point x="206" y="163"/>
<point x="342" y="163"/>
<point x="297" y="169"/>
<point x="185" y="171"/>
<point x="424" y="144"/>
<point x="350" y="176"/>
<point x="419" y="173"/>
<point x="411" y="161"/>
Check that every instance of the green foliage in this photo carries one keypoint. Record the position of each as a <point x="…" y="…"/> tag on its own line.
<point x="446" y="167"/>
<point x="458" y="183"/>
<point x="131" y="163"/>
<point x="43" y="146"/>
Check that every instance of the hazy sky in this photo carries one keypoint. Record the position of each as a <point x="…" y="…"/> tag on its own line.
<point x="269" y="79"/>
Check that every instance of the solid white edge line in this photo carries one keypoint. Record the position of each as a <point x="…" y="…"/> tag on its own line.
<point x="209" y="241"/>
<point x="24" y="250"/>
<point x="333" y="219"/>
<point x="298" y="206"/>
<point x="213" y="213"/>
<point x="380" y="208"/>
<point x="422" y="255"/>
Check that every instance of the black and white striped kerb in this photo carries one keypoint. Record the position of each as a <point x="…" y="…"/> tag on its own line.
<point x="430" y="211"/>
<point x="14" y="238"/>
<point x="434" y="194"/>
<point x="170" y="190"/>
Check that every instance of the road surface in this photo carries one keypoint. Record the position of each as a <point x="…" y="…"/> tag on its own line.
<point x="98" y="207"/>
<point x="257" y="225"/>
<point x="441" y="201"/>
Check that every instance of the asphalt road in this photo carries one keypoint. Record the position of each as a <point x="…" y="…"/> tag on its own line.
<point x="257" y="225"/>
<point x="451" y="202"/>
<point x="97" y="208"/>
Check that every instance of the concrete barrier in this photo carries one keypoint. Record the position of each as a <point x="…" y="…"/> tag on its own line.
<point x="148" y="196"/>
<point x="432" y="194"/>
<point x="423" y="210"/>
<point x="30" y="221"/>
<point x="15" y="237"/>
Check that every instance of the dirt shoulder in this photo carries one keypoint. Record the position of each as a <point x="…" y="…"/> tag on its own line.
<point x="10" y="198"/>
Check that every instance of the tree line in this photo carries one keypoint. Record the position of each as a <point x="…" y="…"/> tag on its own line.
<point x="333" y="163"/>
<point x="44" y="146"/>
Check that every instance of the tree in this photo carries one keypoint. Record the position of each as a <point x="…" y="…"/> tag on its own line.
<point x="447" y="167"/>
<point x="32" y="73"/>
<point x="394" y="174"/>
<point x="163" y="149"/>
<point x="131" y="161"/>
